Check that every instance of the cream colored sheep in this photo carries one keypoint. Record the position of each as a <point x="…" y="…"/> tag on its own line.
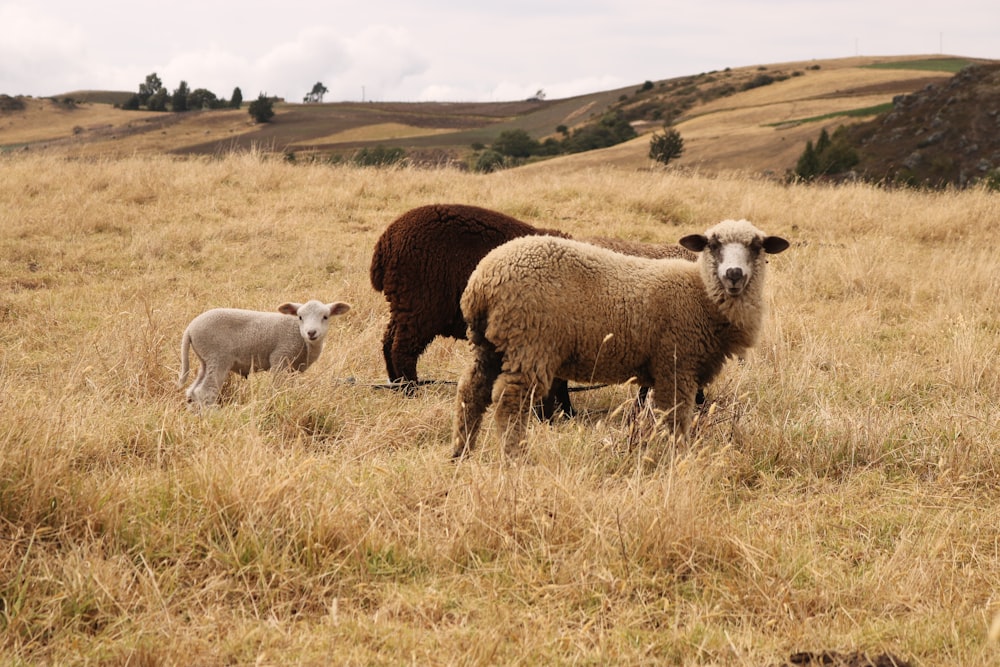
<point x="243" y="341"/>
<point x="669" y="323"/>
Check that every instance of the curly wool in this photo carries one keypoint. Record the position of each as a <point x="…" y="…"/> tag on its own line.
<point x="422" y="262"/>
<point x="668" y="323"/>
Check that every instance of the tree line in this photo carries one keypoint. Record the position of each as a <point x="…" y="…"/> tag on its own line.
<point x="154" y="96"/>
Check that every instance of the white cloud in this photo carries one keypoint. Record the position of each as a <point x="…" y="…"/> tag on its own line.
<point x="38" y="50"/>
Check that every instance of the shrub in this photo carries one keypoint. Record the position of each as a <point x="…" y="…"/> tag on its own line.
<point x="612" y="129"/>
<point x="378" y="156"/>
<point x="489" y="161"/>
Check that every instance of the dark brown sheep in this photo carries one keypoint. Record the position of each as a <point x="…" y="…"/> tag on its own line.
<point x="422" y="262"/>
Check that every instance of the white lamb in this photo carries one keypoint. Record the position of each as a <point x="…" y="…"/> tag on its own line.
<point x="243" y="341"/>
<point x="541" y="307"/>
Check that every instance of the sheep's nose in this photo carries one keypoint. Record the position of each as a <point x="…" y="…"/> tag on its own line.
<point x="311" y="334"/>
<point x="735" y="274"/>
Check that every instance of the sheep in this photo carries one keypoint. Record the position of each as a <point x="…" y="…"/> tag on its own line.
<point x="670" y="324"/>
<point x="421" y="263"/>
<point x="243" y="341"/>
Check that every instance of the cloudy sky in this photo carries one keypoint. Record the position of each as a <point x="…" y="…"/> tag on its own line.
<point x="454" y="50"/>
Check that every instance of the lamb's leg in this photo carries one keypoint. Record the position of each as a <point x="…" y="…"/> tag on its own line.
<point x="206" y="391"/>
<point x="194" y="391"/>
<point x="473" y="397"/>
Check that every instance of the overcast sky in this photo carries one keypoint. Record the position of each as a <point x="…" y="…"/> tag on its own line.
<point x="454" y="50"/>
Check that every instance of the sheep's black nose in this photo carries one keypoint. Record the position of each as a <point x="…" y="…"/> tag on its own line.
<point x="734" y="274"/>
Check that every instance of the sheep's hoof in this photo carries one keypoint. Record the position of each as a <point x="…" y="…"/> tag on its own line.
<point x="407" y="387"/>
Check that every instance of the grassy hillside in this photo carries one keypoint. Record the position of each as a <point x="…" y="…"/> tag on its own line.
<point x="729" y="120"/>
<point x="840" y="493"/>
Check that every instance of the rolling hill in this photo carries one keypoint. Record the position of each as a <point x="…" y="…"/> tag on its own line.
<point x="754" y="119"/>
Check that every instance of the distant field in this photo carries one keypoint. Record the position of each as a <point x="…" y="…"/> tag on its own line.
<point x="951" y="65"/>
<point x="759" y="130"/>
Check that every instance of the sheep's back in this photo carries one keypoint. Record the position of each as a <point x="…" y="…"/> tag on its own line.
<point x="249" y="336"/>
<point x="567" y="297"/>
<point x="640" y="249"/>
<point x="422" y="261"/>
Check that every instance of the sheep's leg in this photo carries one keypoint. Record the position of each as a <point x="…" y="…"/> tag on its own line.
<point x="403" y="351"/>
<point x="699" y="397"/>
<point x="557" y="400"/>
<point x="512" y="394"/>
<point x="473" y="397"/>
<point x="678" y="398"/>
<point x="199" y="378"/>
<point x="206" y="390"/>
<point x="387" y="341"/>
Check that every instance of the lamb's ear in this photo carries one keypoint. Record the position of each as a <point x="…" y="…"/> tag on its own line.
<point x="694" y="242"/>
<point x="774" y="244"/>
<point x="289" y="308"/>
<point x="338" y="307"/>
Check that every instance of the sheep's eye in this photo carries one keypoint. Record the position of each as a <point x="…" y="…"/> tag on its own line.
<point x="714" y="244"/>
<point x="326" y="317"/>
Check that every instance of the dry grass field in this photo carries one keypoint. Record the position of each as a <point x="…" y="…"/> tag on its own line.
<point x="840" y="492"/>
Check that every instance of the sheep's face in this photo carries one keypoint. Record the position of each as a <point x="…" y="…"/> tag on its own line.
<point x="314" y="317"/>
<point x="733" y="250"/>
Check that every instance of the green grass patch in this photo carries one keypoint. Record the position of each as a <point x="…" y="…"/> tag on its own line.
<point x="929" y="65"/>
<point x="854" y="113"/>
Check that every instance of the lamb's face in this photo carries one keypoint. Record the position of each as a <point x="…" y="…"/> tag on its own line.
<point x="733" y="251"/>
<point x="314" y="317"/>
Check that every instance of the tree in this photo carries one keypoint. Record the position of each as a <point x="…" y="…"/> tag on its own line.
<point x="318" y="91"/>
<point x="830" y="155"/>
<point x="151" y="86"/>
<point x="807" y="167"/>
<point x="667" y="146"/>
<point x="236" y="101"/>
<point x="179" y="101"/>
<point x="131" y="104"/>
<point x="200" y="98"/>
<point x="261" y="109"/>
<point x="158" y="101"/>
<point x="515" y="143"/>
<point x="823" y="143"/>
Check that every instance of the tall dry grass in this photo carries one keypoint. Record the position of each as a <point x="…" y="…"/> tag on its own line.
<point x="843" y="491"/>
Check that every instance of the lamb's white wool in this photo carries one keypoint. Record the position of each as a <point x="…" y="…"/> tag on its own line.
<point x="670" y="324"/>
<point x="243" y="341"/>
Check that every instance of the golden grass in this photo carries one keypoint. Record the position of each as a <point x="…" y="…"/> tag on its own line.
<point x="843" y="491"/>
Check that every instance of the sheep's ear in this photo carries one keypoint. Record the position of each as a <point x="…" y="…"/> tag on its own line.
<point x="694" y="242"/>
<point x="774" y="244"/>
<point x="338" y="307"/>
<point x="289" y="308"/>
